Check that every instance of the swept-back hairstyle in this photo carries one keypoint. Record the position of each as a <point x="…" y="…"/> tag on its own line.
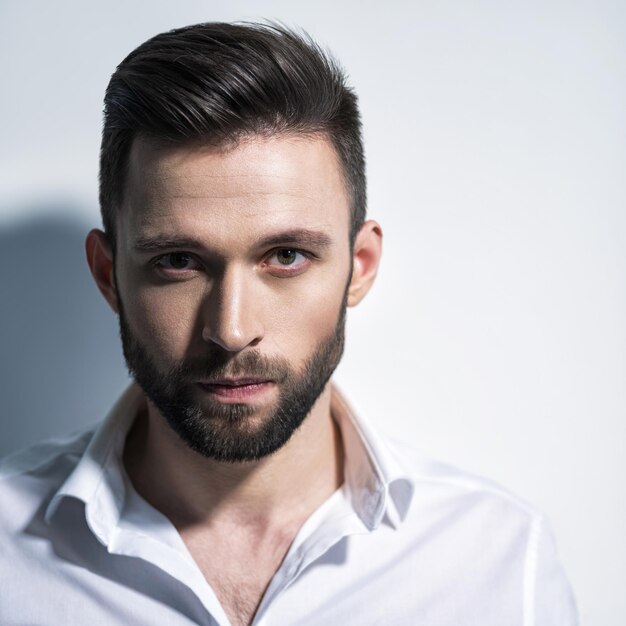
<point x="218" y="83"/>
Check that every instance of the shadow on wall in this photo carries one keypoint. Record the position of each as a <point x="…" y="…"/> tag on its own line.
<point x="61" y="365"/>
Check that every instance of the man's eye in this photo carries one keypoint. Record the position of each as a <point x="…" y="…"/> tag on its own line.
<point x="177" y="261"/>
<point x="287" y="257"/>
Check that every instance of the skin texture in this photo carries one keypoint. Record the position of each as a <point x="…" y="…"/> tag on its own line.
<point x="229" y="215"/>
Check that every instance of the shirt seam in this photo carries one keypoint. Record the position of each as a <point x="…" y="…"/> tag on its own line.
<point x="530" y="571"/>
<point x="460" y="484"/>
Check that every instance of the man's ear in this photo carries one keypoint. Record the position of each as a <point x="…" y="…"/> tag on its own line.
<point x="100" y="260"/>
<point x="365" y="258"/>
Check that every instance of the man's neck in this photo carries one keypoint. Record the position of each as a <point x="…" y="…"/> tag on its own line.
<point x="280" y="490"/>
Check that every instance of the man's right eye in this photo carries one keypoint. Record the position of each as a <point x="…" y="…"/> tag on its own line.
<point x="177" y="262"/>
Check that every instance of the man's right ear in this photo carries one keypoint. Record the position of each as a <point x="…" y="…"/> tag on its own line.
<point x="100" y="260"/>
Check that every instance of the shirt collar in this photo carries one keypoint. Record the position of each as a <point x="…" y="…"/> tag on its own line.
<point x="98" y="478"/>
<point x="375" y="479"/>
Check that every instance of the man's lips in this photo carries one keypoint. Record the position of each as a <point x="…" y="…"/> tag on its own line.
<point x="236" y="389"/>
<point x="235" y="382"/>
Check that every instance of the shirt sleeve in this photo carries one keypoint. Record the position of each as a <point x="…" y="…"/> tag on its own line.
<point x="548" y="597"/>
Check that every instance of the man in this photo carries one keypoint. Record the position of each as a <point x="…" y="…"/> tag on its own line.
<point x="232" y="484"/>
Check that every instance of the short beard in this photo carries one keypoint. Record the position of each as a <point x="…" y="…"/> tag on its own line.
<point x="224" y="432"/>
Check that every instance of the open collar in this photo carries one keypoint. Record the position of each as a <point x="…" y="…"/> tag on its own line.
<point x="375" y="479"/>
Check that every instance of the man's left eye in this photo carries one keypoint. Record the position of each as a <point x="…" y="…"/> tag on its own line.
<point x="287" y="257"/>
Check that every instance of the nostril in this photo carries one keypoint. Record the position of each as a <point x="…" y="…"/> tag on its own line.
<point x="230" y="340"/>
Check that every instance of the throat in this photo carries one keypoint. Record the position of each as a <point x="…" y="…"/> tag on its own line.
<point x="238" y="564"/>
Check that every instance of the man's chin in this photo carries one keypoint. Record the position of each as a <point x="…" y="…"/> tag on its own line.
<point x="230" y="432"/>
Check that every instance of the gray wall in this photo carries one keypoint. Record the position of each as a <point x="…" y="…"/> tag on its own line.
<point x="61" y="361"/>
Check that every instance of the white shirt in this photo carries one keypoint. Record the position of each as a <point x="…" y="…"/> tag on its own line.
<point x="404" y="542"/>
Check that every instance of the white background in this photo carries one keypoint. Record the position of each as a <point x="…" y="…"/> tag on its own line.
<point x="495" y="134"/>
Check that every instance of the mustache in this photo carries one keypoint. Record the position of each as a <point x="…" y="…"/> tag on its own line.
<point x="218" y="365"/>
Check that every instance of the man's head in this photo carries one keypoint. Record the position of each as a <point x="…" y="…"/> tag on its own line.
<point x="237" y="245"/>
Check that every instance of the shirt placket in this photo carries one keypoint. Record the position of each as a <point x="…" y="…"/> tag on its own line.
<point x="309" y="546"/>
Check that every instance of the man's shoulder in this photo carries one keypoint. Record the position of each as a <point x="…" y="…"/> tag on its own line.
<point x="482" y="546"/>
<point x="31" y="476"/>
<point x="444" y="487"/>
<point x="478" y="523"/>
<point x="34" y="457"/>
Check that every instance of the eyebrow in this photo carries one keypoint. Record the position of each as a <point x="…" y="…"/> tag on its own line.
<point x="159" y="243"/>
<point x="297" y="237"/>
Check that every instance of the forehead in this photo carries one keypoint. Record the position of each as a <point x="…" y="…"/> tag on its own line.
<point x="262" y="183"/>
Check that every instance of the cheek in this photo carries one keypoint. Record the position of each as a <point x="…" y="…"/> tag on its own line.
<point x="164" y="320"/>
<point x="304" y="316"/>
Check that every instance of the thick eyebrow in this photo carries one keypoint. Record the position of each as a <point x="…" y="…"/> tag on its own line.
<point x="297" y="237"/>
<point x="158" y="243"/>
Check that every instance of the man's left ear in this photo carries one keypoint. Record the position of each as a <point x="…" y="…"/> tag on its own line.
<point x="366" y="257"/>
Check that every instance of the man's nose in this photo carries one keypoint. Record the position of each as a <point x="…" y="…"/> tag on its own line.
<point x="230" y="316"/>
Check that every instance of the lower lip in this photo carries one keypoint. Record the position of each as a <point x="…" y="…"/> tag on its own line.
<point x="236" y="393"/>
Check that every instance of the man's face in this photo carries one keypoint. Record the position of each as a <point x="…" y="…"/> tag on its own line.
<point x="231" y="271"/>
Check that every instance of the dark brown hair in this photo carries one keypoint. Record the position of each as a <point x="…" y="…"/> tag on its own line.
<point x="217" y="83"/>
